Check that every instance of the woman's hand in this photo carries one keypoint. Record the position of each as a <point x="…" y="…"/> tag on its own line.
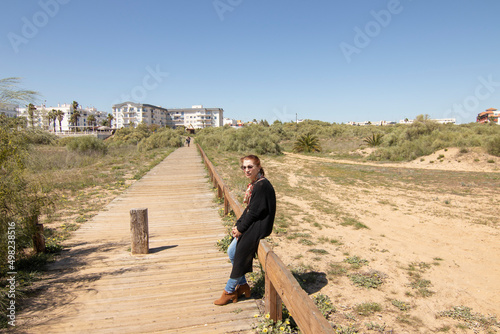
<point x="235" y="232"/>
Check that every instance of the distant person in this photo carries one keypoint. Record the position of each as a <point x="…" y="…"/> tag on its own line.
<point x="188" y="140"/>
<point x="255" y="223"/>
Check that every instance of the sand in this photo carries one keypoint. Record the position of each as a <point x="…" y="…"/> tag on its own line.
<point x="451" y="230"/>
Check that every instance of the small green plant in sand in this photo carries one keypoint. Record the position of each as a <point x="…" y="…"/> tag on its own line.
<point x="401" y="305"/>
<point x="223" y="244"/>
<point x="317" y="251"/>
<point x="348" y="221"/>
<point x="366" y="309"/>
<point x="370" y="280"/>
<point x="356" y="262"/>
<point x="336" y="269"/>
<point x="373" y="326"/>
<point x="417" y="282"/>
<point x="471" y="320"/>
<point x="267" y="325"/>
<point x="324" y="304"/>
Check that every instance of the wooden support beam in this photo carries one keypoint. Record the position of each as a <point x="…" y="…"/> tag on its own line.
<point x="273" y="301"/>
<point x="139" y="231"/>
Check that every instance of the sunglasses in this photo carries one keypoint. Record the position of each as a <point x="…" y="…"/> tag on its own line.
<point x="246" y="167"/>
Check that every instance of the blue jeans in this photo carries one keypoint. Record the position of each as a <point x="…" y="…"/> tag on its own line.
<point x="233" y="282"/>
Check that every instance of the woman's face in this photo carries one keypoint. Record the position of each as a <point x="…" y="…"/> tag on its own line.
<point x="250" y="169"/>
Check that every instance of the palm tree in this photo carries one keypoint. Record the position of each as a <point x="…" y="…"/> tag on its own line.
<point x="374" y="140"/>
<point x="307" y="143"/>
<point x="91" y="121"/>
<point x="59" y="115"/>
<point x="110" y="119"/>
<point x="53" y="117"/>
<point x="76" y="115"/>
<point x="31" y="114"/>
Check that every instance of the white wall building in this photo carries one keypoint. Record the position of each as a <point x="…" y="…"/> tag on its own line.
<point x="40" y="119"/>
<point x="230" y="122"/>
<point x="438" y="120"/>
<point x="132" y="114"/>
<point x="9" y="110"/>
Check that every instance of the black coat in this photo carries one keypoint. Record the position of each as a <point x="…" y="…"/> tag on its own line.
<point x="255" y="223"/>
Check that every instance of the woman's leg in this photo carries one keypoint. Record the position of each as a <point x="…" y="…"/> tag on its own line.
<point x="233" y="282"/>
<point x="231" y="250"/>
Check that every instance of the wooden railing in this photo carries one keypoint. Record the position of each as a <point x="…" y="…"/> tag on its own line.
<point x="280" y="284"/>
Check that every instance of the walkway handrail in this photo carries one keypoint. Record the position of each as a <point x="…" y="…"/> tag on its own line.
<point x="280" y="285"/>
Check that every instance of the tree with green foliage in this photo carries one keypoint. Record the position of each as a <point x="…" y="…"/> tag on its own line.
<point x="91" y="121"/>
<point x="307" y="143"/>
<point x="31" y="114"/>
<point x="374" y="140"/>
<point x="60" y="116"/>
<point x="52" y="119"/>
<point x="10" y="93"/>
<point x="75" y="115"/>
<point x="110" y="118"/>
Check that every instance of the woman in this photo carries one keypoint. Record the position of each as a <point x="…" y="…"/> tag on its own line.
<point x="256" y="222"/>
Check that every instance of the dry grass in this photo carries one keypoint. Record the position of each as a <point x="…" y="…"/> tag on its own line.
<point x="409" y="217"/>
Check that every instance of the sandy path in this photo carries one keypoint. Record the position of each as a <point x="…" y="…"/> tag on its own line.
<point x="446" y="229"/>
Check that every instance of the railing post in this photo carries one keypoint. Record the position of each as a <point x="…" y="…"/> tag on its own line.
<point x="273" y="301"/>
<point x="226" y="200"/>
<point x="139" y="231"/>
<point x="219" y="191"/>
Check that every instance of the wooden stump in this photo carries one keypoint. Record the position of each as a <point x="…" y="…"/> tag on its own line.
<point x="39" y="239"/>
<point x="139" y="231"/>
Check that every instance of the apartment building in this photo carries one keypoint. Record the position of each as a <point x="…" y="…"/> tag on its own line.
<point x="128" y="114"/>
<point x="9" y="110"/>
<point x="490" y="115"/>
<point x="40" y="119"/>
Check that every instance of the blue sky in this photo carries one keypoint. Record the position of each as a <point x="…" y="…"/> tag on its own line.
<point x="329" y="60"/>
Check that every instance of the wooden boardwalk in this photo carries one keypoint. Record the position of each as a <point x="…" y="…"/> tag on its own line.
<point x="99" y="287"/>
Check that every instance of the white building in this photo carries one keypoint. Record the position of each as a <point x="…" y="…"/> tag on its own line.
<point x="439" y="120"/>
<point x="9" y="110"/>
<point x="230" y="122"/>
<point x="128" y="114"/>
<point x="41" y="120"/>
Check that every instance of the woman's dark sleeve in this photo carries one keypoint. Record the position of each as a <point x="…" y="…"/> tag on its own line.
<point x="256" y="210"/>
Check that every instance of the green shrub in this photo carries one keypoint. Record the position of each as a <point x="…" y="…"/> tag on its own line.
<point x="164" y="137"/>
<point x="258" y="139"/>
<point x="22" y="200"/>
<point x="493" y="146"/>
<point x="374" y="140"/>
<point x="39" y="136"/>
<point x="307" y="143"/>
<point x="131" y="135"/>
<point x="87" y="145"/>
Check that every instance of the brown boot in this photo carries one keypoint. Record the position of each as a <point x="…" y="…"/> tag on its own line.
<point x="226" y="298"/>
<point x="244" y="290"/>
